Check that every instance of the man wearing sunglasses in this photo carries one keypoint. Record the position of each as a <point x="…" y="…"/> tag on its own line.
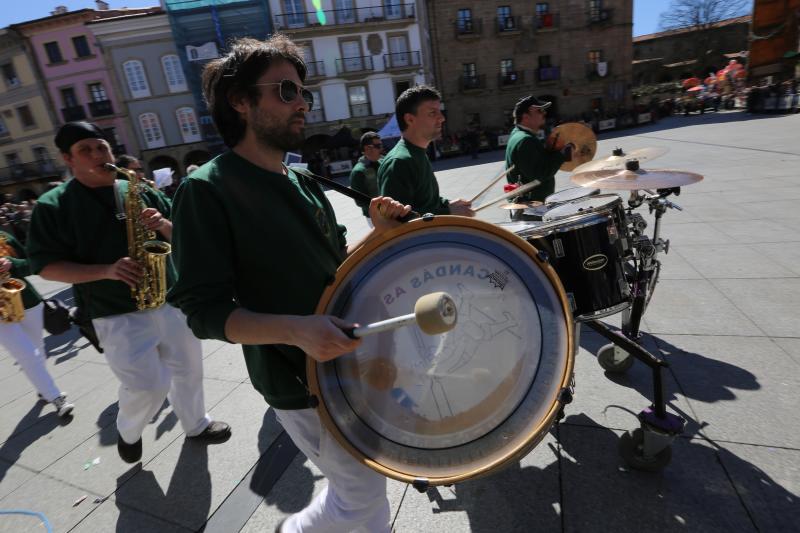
<point x="532" y="159"/>
<point x="256" y="244"/>
<point x="406" y="173"/>
<point x="364" y="176"/>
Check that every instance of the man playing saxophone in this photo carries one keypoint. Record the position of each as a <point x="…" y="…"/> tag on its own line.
<point x="79" y="235"/>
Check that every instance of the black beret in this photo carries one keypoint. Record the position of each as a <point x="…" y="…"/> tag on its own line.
<point x="528" y="102"/>
<point x="72" y="132"/>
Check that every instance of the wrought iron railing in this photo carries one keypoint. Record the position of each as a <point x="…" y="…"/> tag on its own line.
<point x="340" y="17"/>
<point x="101" y="108"/>
<point x="401" y="60"/>
<point x="347" y="65"/>
<point x="73" y="113"/>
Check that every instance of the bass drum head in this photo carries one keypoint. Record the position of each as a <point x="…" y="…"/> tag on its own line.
<point x="592" y="204"/>
<point x="447" y="407"/>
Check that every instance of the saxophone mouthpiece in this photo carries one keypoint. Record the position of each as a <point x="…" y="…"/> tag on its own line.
<point x="109" y="166"/>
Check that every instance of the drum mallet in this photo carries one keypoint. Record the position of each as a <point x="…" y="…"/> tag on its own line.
<point x="510" y="194"/>
<point x="434" y="313"/>
<point x="495" y="180"/>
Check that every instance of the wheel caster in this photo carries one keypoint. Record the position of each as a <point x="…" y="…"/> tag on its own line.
<point x="631" y="448"/>
<point x="614" y="359"/>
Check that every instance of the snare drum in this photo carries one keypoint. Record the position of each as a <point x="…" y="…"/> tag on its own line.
<point x="586" y="258"/>
<point x="570" y="195"/>
<point x="604" y="204"/>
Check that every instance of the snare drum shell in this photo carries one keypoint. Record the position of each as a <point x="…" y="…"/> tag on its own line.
<point x="588" y="263"/>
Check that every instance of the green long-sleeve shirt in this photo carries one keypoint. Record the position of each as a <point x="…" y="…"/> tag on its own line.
<point x="14" y="252"/>
<point x="79" y="224"/>
<point x="364" y="179"/>
<point x="244" y="237"/>
<point x="406" y="175"/>
<point x="532" y="162"/>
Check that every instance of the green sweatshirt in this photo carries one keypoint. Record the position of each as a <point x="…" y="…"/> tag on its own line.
<point x="246" y="237"/>
<point x="406" y="175"/>
<point x="20" y="268"/>
<point x="532" y="162"/>
<point x="79" y="224"/>
<point x="364" y="178"/>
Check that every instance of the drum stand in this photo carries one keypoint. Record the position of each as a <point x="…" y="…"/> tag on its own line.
<point x="648" y="447"/>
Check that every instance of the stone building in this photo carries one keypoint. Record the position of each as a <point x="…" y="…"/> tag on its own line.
<point x="679" y="54"/>
<point x="487" y="55"/>
<point x="775" y="40"/>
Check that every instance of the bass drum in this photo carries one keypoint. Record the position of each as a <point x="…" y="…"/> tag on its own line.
<point x="433" y="410"/>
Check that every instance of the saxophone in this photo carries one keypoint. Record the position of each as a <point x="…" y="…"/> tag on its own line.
<point x="11" y="306"/>
<point x="151" y="254"/>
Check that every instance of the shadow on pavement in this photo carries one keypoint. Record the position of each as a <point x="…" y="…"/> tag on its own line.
<point x="679" y="121"/>
<point x="30" y="428"/>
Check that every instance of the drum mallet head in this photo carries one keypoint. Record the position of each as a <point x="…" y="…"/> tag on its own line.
<point x="434" y="313"/>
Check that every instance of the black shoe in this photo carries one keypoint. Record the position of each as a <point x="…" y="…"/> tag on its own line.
<point x="215" y="432"/>
<point x="130" y="453"/>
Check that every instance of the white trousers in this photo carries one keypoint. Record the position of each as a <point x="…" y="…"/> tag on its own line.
<point x="155" y="356"/>
<point x="355" y="498"/>
<point x="24" y="341"/>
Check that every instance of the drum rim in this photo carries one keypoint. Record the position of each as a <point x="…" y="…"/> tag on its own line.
<point x="610" y="207"/>
<point x="365" y="250"/>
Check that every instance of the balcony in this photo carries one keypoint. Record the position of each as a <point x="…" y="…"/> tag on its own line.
<point x="101" y="108"/>
<point x="73" y="113"/>
<point x="28" y="171"/>
<point x="468" y="28"/>
<point x="546" y="21"/>
<point x="512" y="78"/>
<point x="473" y="83"/>
<point x="5" y="137"/>
<point x="344" y="17"/>
<point x="595" y="71"/>
<point x="315" y="116"/>
<point x="546" y="74"/>
<point x="315" y="69"/>
<point x="401" y="60"/>
<point x="507" y="25"/>
<point x="360" y="110"/>
<point x="352" y="65"/>
<point x="600" y="16"/>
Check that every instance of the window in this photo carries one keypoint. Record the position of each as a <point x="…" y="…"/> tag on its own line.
<point x="506" y="66"/>
<point x="26" y="117"/>
<point x="393" y="9"/>
<point x="53" y="53"/>
<point x="464" y="21"/>
<point x="542" y="8"/>
<point x="469" y="70"/>
<point x="359" y="100"/>
<point x="188" y="124"/>
<point x="596" y="12"/>
<point x="10" y="75"/>
<point x="81" y="46"/>
<point x="505" y="21"/>
<point x="293" y="9"/>
<point x="12" y="159"/>
<point x="398" y="52"/>
<point x="151" y="130"/>
<point x="68" y="97"/>
<point x="345" y="14"/>
<point x="97" y="92"/>
<point x="173" y="73"/>
<point x="137" y="82"/>
<point x="351" y="55"/>
<point x="3" y="128"/>
<point x="595" y="56"/>
<point x="316" y="114"/>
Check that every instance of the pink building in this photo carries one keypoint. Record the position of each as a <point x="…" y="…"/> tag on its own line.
<point x="78" y="82"/>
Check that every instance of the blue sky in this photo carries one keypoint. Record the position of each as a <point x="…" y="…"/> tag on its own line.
<point x="645" y="12"/>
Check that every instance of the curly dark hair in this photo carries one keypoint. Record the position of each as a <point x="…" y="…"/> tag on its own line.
<point x="409" y="102"/>
<point x="233" y="76"/>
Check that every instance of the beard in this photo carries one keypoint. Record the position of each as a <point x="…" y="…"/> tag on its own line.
<point x="271" y="132"/>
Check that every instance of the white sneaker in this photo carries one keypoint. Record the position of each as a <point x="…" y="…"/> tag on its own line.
<point x="63" y="407"/>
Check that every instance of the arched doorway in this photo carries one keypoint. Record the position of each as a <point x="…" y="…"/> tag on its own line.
<point x="196" y="157"/>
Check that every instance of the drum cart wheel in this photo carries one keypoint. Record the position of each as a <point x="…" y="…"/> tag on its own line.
<point x="614" y="359"/>
<point x="632" y="450"/>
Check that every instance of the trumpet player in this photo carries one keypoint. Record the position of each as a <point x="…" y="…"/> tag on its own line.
<point x="79" y="234"/>
<point x="22" y="335"/>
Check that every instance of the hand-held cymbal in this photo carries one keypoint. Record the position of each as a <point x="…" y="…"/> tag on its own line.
<point x="434" y="313"/>
<point x="581" y="136"/>
<point x="617" y="160"/>
<point x="631" y="180"/>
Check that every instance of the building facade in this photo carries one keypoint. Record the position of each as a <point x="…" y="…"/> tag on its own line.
<point x="361" y="55"/>
<point x="29" y="157"/>
<point x="673" y="55"/>
<point x="487" y="55"/>
<point x="152" y="88"/>
<point x="78" y="82"/>
<point x="775" y="40"/>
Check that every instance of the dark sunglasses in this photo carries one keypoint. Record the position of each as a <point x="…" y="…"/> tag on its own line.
<point x="288" y="91"/>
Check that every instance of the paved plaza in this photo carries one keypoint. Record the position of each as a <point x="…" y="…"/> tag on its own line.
<point x="726" y="316"/>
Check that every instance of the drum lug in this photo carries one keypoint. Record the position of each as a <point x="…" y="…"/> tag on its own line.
<point x="427" y="217"/>
<point x="421" y="484"/>
<point x="565" y="396"/>
<point x="543" y="256"/>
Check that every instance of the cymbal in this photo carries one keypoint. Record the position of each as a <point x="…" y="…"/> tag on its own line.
<point x="632" y="180"/>
<point x="581" y="136"/>
<point x="615" y="162"/>
<point x="523" y="205"/>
